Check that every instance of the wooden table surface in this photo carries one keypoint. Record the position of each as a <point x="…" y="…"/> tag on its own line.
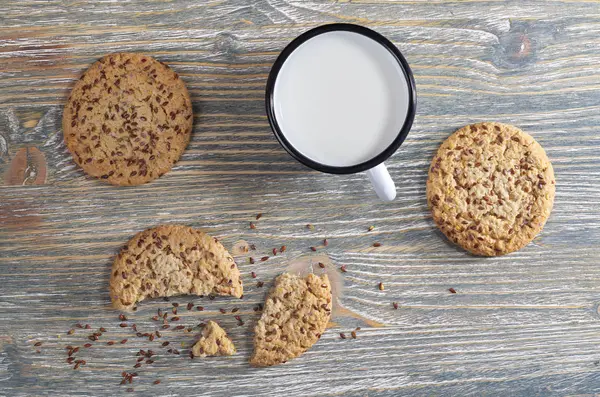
<point x="523" y="324"/>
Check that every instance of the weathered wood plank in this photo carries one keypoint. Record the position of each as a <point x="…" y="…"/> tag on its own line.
<point x="524" y="324"/>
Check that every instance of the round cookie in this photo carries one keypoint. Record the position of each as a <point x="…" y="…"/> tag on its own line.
<point x="172" y="260"/>
<point x="128" y="119"/>
<point x="490" y="188"/>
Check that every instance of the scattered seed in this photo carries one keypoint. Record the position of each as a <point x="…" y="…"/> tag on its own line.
<point x="199" y="308"/>
<point x="166" y="326"/>
<point x="343" y="268"/>
<point x="253" y="247"/>
<point x="129" y="390"/>
<point x="87" y="326"/>
<point x="102" y="329"/>
<point x="137" y="365"/>
<point x="342" y="335"/>
<point x="38" y="344"/>
<point x="371" y="228"/>
<point x="313" y="249"/>
<point x="452" y="290"/>
<point x="156" y="382"/>
<point x="87" y="345"/>
<point x="134" y="327"/>
<point x="124" y="341"/>
<point x="222" y="310"/>
<point x="78" y="325"/>
<point x="173" y="310"/>
<point x="264" y="258"/>
<point x="175" y="318"/>
<point x="122" y="317"/>
<point x="258" y="216"/>
<point x="260" y="284"/>
<point x="282" y="249"/>
<point x="274" y="251"/>
<point x="357" y="329"/>
<point x="190" y="305"/>
<point x="165" y="344"/>
<point x="110" y="343"/>
<point x="123" y="325"/>
<point x="252" y="225"/>
<point x="310" y="227"/>
<point x="376" y="244"/>
<point x="325" y="242"/>
<point x="321" y="265"/>
<point x="381" y="287"/>
<point x="253" y="275"/>
<point x="71" y="331"/>
<point x="353" y="334"/>
<point x="395" y="304"/>
<point x="251" y="260"/>
<point x="234" y="310"/>
<point x="175" y="304"/>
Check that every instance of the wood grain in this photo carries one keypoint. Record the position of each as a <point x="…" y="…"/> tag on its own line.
<point x="525" y="324"/>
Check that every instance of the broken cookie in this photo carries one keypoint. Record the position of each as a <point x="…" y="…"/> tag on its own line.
<point x="295" y="315"/>
<point x="172" y="260"/>
<point x="214" y="342"/>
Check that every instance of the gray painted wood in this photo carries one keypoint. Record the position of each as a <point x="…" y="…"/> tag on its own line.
<point x="524" y="324"/>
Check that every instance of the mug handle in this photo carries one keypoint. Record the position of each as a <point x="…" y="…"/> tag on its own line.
<point x="382" y="182"/>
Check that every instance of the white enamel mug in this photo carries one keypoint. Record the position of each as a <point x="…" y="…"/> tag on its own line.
<point x="341" y="99"/>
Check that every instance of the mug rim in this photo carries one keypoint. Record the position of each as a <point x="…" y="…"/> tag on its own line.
<point x="380" y="157"/>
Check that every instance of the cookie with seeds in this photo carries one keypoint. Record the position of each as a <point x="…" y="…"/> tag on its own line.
<point x="490" y="188"/>
<point x="295" y="315"/>
<point x="172" y="260"/>
<point x="128" y="119"/>
<point x="214" y="342"/>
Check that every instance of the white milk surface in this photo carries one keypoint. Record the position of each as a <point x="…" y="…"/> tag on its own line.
<point x="340" y="98"/>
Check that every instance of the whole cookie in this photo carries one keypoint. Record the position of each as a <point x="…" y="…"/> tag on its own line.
<point x="128" y="119"/>
<point x="295" y="315"/>
<point x="490" y="188"/>
<point x="172" y="260"/>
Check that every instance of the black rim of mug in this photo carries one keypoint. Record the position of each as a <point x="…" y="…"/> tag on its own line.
<point x="382" y="156"/>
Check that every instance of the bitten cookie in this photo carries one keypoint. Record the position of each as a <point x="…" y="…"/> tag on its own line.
<point x="295" y="315"/>
<point x="128" y="119"/>
<point x="214" y="342"/>
<point x="490" y="188"/>
<point x="172" y="260"/>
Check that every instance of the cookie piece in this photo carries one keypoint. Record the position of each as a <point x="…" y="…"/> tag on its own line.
<point x="172" y="260"/>
<point x="128" y="119"/>
<point x="214" y="342"/>
<point x="490" y="188"/>
<point x="295" y="315"/>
